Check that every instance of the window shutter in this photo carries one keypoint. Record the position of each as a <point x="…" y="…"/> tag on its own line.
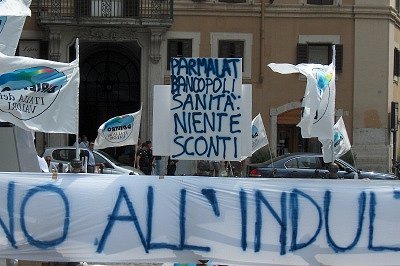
<point x="302" y="53"/>
<point x="339" y="58"/>
<point x="178" y="48"/>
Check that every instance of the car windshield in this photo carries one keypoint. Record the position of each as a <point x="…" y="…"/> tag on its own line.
<point x="109" y="158"/>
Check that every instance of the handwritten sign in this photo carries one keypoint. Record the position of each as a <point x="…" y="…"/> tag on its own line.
<point x="209" y="115"/>
<point x="97" y="218"/>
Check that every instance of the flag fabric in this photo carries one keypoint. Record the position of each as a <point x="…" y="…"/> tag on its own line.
<point x="318" y="105"/>
<point x="258" y="134"/>
<point x="341" y="142"/>
<point x="12" y="19"/>
<point x="39" y="95"/>
<point x="19" y="8"/>
<point x="119" y="131"/>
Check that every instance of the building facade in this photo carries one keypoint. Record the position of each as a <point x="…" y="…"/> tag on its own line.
<point x="125" y="46"/>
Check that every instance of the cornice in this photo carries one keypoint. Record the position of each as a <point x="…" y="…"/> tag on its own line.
<point x="190" y="8"/>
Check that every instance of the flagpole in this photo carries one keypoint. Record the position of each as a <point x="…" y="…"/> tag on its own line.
<point x="333" y="102"/>
<point x="77" y="109"/>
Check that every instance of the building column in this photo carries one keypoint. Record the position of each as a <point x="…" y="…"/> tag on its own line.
<point x="155" y="75"/>
<point x="273" y="130"/>
<point x="54" y="46"/>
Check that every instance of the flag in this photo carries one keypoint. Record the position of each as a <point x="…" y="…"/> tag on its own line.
<point x="12" y="19"/>
<point x="258" y="134"/>
<point x="119" y="131"/>
<point x="318" y="105"/>
<point x="19" y="8"/>
<point x="341" y="142"/>
<point x="39" y="95"/>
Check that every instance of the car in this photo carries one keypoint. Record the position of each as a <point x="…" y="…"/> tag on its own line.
<point x="64" y="155"/>
<point x="309" y="165"/>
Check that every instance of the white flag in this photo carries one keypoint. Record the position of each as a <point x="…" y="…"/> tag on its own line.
<point x="12" y="19"/>
<point x="318" y="106"/>
<point x="119" y="131"/>
<point x="19" y="8"/>
<point x="341" y="142"/>
<point x="39" y="95"/>
<point x="258" y="134"/>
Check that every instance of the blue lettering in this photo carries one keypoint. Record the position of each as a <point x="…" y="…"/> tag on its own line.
<point x="361" y="211"/>
<point x="122" y="195"/>
<point x="294" y="206"/>
<point x="281" y="220"/>
<point x="48" y="243"/>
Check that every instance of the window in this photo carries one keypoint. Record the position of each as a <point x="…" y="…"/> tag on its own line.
<point x="320" y="2"/>
<point x="178" y="48"/>
<point x="396" y="63"/>
<point x="319" y="53"/>
<point x="233" y="44"/>
<point x="291" y="164"/>
<point x="231" y="49"/>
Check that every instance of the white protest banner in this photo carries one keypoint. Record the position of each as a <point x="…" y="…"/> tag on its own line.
<point x="39" y="95"/>
<point x="243" y="221"/>
<point x="209" y="118"/>
<point x="119" y="131"/>
<point x="318" y="106"/>
<point x="258" y="134"/>
<point x="12" y="19"/>
<point x="341" y="142"/>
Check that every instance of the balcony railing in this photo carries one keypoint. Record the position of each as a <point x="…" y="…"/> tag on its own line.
<point x="113" y="9"/>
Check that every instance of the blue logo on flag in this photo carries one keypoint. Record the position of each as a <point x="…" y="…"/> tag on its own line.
<point x="254" y="132"/>
<point x="38" y="79"/>
<point x="119" y="128"/>
<point x="337" y="138"/>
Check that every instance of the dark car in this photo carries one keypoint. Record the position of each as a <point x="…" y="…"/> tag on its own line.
<point x="309" y="165"/>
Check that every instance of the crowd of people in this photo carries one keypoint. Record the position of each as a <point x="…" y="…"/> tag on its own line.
<point x="141" y="157"/>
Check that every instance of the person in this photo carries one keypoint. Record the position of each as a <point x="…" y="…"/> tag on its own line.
<point x="333" y="169"/>
<point x="42" y="164"/>
<point x="171" y="167"/>
<point x="91" y="164"/>
<point x="51" y="166"/>
<point x="84" y="144"/>
<point x="144" y="158"/>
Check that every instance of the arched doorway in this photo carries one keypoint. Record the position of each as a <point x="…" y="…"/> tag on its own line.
<point x="109" y="84"/>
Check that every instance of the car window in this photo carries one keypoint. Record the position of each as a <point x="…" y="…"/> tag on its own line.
<point x="99" y="159"/>
<point x="64" y="154"/>
<point x="292" y="163"/>
<point x="308" y="162"/>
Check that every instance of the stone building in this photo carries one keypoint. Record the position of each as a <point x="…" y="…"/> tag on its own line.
<point x="125" y="46"/>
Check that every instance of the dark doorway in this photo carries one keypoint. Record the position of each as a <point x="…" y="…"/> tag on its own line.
<point x="109" y="85"/>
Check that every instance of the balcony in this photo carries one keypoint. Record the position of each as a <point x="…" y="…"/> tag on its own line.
<point x="106" y="12"/>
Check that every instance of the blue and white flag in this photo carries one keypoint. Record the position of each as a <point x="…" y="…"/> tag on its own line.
<point x="119" y="131"/>
<point x="39" y="95"/>
<point x="318" y="106"/>
<point x="341" y="142"/>
<point x="12" y="19"/>
<point x="258" y="134"/>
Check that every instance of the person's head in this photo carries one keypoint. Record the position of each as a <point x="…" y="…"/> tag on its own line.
<point x="91" y="145"/>
<point x="48" y="160"/>
<point x="84" y="138"/>
<point x="76" y="165"/>
<point x="148" y="144"/>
